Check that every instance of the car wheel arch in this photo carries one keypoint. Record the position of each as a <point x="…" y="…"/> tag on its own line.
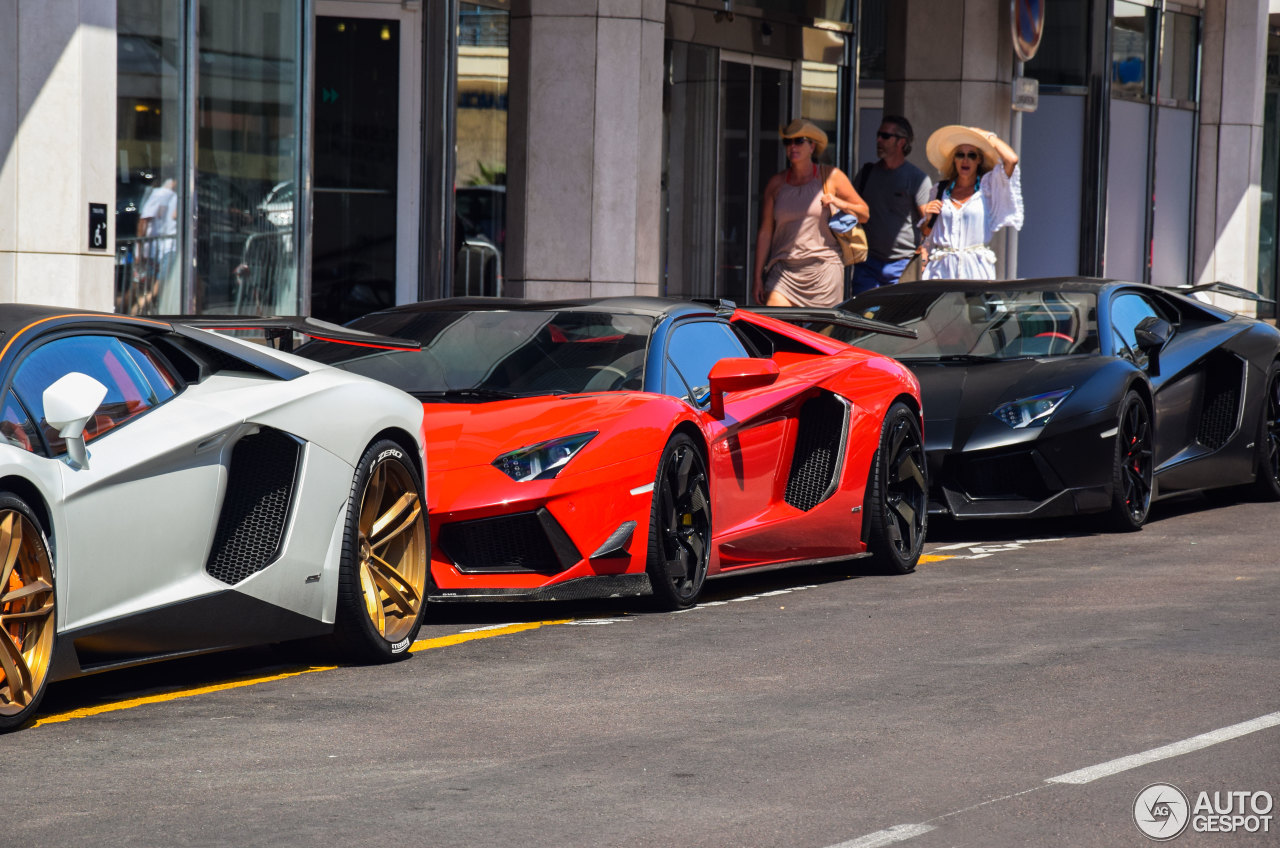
<point x="25" y="489"/>
<point x="407" y="443"/>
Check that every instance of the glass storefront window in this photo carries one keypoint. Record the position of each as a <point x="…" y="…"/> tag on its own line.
<point x="480" y="180"/>
<point x="149" y="167"/>
<point x="1132" y="51"/>
<point x="1062" y="59"/>
<point x="1178" y="59"/>
<point x="246" y="156"/>
<point x="234" y="140"/>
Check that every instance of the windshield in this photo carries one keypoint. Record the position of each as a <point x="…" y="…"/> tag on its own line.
<point x="978" y="324"/>
<point x="486" y="355"/>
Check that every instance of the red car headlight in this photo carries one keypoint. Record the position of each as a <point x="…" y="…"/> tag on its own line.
<point x="543" y="460"/>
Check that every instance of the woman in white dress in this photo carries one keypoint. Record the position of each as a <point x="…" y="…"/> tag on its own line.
<point x="980" y="193"/>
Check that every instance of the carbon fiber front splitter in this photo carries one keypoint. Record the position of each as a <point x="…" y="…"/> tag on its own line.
<point x="583" y="588"/>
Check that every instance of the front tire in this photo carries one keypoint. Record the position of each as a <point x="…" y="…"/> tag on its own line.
<point x="1267" y="482"/>
<point x="383" y="581"/>
<point x="680" y="526"/>
<point x="896" y="505"/>
<point x="27" y="616"/>
<point x="1131" y="474"/>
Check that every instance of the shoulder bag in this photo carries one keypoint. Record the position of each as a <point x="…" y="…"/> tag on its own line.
<point x="848" y="235"/>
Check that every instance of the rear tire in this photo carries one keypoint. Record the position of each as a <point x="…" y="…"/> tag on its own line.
<point x="1267" y="482"/>
<point x="382" y="585"/>
<point x="896" y="505"/>
<point x="679" y="526"/>
<point x="28" y="621"/>
<point x="1131" y="474"/>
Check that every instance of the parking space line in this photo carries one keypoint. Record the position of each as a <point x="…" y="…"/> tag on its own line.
<point x="484" y="633"/>
<point x="1164" y="752"/>
<point x="173" y="696"/>
<point x="888" y="836"/>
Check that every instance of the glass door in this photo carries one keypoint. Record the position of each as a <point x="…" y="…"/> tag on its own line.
<point x="755" y="100"/>
<point x="364" y="245"/>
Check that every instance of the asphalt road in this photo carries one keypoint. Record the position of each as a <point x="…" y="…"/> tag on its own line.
<point x="990" y="699"/>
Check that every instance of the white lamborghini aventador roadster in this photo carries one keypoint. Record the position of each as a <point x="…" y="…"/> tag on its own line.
<point x="166" y="491"/>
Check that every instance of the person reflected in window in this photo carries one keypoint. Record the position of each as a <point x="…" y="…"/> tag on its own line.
<point x="980" y="193"/>
<point x="797" y="258"/>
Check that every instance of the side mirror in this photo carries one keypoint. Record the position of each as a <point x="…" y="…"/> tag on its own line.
<point x="736" y="375"/>
<point x="1152" y="334"/>
<point x="68" y="405"/>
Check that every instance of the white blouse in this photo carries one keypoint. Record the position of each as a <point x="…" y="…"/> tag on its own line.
<point x="959" y="244"/>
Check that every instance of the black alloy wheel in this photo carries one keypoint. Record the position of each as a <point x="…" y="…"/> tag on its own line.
<point x="1268" y="480"/>
<point x="1131" y="479"/>
<point x="896" y="506"/>
<point x="680" y="526"/>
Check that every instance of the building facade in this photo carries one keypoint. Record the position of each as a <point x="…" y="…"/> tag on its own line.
<point x="330" y="157"/>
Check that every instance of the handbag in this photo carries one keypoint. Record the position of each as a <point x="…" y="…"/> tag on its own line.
<point x="850" y="237"/>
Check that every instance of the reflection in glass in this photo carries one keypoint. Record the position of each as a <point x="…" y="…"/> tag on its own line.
<point x="480" y="225"/>
<point x="246" y="127"/>
<point x="1179" y="59"/>
<point x="148" y="276"/>
<point x="1132" y="51"/>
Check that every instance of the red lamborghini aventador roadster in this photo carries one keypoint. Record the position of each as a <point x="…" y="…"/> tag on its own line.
<point x="636" y="446"/>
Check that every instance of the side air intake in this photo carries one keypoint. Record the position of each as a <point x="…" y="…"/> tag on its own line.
<point x="260" y="484"/>
<point x="819" y="453"/>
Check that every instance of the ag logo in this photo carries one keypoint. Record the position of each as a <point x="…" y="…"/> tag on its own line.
<point x="1161" y="811"/>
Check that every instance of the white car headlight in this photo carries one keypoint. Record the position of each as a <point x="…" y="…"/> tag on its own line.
<point x="1032" y="411"/>
<point x="543" y="460"/>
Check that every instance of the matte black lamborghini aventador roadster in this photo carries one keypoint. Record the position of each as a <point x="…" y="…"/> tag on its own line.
<point x="1059" y="396"/>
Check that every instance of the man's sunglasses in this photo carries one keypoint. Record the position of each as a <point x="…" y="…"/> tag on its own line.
<point x="787" y="142"/>
<point x="884" y="136"/>
<point x="969" y="154"/>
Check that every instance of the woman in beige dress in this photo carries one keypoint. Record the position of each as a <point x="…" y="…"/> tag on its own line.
<point x="797" y="259"/>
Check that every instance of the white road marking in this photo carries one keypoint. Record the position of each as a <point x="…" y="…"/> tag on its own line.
<point x="1176" y="749"/>
<point x="888" y="836"/>
<point x="488" y="627"/>
<point x="903" y="832"/>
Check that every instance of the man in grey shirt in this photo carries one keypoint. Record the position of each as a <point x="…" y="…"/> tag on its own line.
<point x="896" y="191"/>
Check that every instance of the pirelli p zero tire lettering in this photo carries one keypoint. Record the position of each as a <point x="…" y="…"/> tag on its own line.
<point x="28" y="621"/>
<point x="679" y="526"/>
<point x="383" y="582"/>
<point x="896" y="505"/>
<point x="1131" y="476"/>
<point x="1267" y="482"/>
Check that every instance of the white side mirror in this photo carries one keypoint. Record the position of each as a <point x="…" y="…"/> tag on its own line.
<point x="68" y="405"/>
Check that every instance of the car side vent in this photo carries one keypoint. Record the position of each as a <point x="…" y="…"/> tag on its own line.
<point x="819" y="452"/>
<point x="1221" y="407"/>
<point x="260" y="485"/>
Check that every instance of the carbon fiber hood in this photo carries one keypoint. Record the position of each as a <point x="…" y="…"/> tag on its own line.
<point x="959" y="397"/>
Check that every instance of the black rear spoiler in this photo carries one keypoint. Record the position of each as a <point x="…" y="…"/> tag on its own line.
<point x="1227" y="289"/>
<point x="279" y="330"/>
<point x="839" y="317"/>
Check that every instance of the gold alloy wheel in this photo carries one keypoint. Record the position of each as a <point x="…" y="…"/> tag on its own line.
<point x="26" y="612"/>
<point x="392" y="550"/>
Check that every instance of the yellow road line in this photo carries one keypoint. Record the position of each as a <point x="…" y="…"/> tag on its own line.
<point x="420" y="645"/>
<point x="934" y="557"/>
<point x="459" y="638"/>
<point x="173" y="696"/>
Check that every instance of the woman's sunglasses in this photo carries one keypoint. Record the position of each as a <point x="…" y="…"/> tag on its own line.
<point x="968" y="154"/>
<point x="787" y="142"/>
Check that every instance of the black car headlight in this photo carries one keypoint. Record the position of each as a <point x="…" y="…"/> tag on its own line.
<point x="543" y="460"/>
<point x="1034" y="411"/>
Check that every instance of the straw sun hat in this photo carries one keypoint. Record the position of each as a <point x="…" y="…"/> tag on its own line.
<point x="942" y="145"/>
<point x="800" y="128"/>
